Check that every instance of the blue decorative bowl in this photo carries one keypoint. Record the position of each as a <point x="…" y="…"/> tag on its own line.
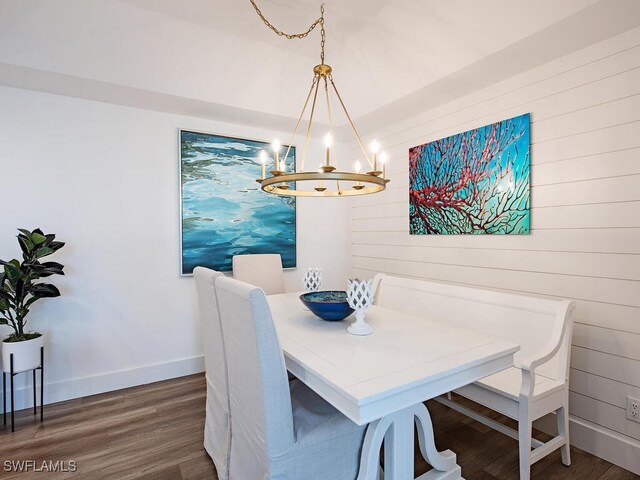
<point x="329" y="305"/>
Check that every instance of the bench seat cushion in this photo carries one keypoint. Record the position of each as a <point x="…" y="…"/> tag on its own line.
<point x="508" y="382"/>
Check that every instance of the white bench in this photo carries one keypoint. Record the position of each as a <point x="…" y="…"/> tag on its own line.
<point x="536" y="385"/>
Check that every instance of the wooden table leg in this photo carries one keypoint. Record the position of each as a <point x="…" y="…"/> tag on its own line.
<point x="397" y="431"/>
<point x="398" y="447"/>
<point x="443" y="463"/>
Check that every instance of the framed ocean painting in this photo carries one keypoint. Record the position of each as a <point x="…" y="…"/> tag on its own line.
<point x="476" y="182"/>
<point x="223" y="211"/>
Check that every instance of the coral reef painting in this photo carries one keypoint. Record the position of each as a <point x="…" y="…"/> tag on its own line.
<point x="224" y="212"/>
<point x="476" y="182"/>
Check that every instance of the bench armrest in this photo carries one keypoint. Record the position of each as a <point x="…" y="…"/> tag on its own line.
<point x="558" y="338"/>
<point x="377" y="279"/>
<point x="531" y="363"/>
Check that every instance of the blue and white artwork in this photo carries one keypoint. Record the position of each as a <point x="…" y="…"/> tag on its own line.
<point x="475" y="182"/>
<point x="224" y="211"/>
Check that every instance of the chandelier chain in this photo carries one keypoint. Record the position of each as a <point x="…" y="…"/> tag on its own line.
<point x="291" y="36"/>
<point x="323" y="35"/>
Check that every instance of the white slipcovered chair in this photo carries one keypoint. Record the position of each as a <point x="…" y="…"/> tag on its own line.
<point x="280" y="430"/>
<point x="262" y="270"/>
<point x="217" y="426"/>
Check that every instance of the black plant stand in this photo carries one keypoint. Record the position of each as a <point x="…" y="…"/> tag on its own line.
<point x="11" y="375"/>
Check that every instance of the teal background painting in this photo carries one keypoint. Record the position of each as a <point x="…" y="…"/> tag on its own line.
<point x="224" y="212"/>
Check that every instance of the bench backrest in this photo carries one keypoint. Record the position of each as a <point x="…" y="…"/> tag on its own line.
<point x="529" y="321"/>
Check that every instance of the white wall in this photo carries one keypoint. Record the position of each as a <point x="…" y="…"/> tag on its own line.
<point x="585" y="224"/>
<point x="104" y="178"/>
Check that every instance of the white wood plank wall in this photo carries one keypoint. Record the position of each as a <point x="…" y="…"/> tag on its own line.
<point x="585" y="219"/>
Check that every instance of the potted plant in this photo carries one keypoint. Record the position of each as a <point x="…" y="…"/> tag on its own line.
<point x="19" y="290"/>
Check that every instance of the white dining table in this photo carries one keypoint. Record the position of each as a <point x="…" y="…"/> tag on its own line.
<point x="383" y="379"/>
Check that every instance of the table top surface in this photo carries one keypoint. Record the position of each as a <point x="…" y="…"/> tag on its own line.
<point x="403" y="352"/>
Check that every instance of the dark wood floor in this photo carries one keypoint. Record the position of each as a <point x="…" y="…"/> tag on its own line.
<point x="154" y="432"/>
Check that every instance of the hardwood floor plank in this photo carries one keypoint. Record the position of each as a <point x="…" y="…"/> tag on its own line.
<point x="507" y="467"/>
<point x="129" y="460"/>
<point x="583" y="466"/>
<point x="172" y="473"/>
<point x="616" y="473"/>
<point x="474" y="449"/>
<point x="56" y="448"/>
<point x="480" y="475"/>
<point x="164" y="389"/>
<point x="200" y="468"/>
<point x="94" y="422"/>
<point x="155" y="432"/>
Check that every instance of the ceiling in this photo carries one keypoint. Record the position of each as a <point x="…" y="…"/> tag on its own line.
<point x="381" y="50"/>
<point x="215" y="58"/>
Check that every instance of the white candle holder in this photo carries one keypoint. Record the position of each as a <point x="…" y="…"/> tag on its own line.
<point x="360" y="296"/>
<point x="312" y="280"/>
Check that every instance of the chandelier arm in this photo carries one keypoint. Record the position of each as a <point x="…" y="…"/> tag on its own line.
<point x="333" y="150"/>
<point x="355" y="132"/>
<point x="295" y="131"/>
<point x="306" y="140"/>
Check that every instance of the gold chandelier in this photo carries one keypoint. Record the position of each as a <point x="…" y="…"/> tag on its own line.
<point x="320" y="182"/>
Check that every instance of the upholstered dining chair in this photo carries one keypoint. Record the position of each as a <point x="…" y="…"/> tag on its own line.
<point x="262" y="270"/>
<point x="280" y="430"/>
<point x="217" y="426"/>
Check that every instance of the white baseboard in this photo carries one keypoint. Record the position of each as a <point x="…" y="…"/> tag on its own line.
<point x="614" y="447"/>
<point x="106" y="382"/>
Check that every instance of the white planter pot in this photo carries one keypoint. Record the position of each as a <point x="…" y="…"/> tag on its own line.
<point x="26" y="355"/>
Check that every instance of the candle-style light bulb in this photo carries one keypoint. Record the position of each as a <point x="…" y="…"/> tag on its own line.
<point x="327" y="143"/>
<point x="263" y="161"/>
<point x="320" y="187"/>
<point x="375" y="147"/>
<point x="383" y="160"/>
<point x="283" y="166"/>
<point x="357" y="168"/>
<point x="275" y="145"/>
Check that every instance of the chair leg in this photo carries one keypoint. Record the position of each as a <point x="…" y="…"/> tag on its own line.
<point x="562" y="418"/>
<point x="524" y="442"/>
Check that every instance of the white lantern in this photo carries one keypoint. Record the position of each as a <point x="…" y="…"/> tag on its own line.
<point x="312" y="280"/>
<point x="360" y="296"/>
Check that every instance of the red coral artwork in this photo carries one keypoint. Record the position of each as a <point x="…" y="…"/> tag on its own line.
<point x="476" y="182"/>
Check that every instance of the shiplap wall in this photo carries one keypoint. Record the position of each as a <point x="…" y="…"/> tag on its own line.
<point x="585" y="221"/>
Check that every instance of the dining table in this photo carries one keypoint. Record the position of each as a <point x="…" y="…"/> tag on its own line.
<point x="383" y="379"/>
